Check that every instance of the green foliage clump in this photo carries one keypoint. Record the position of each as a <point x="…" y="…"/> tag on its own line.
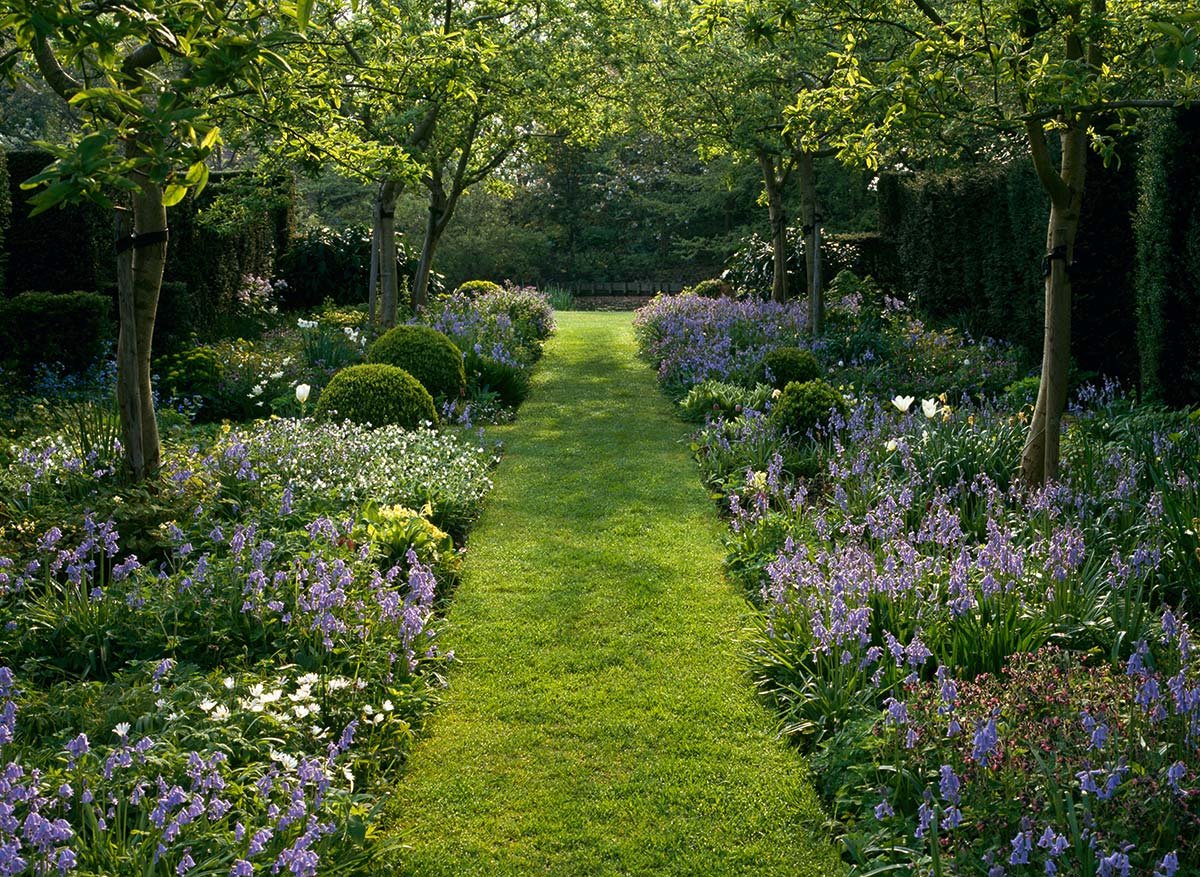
<point x="192" y="373"/>
<point x="805" y="408"/>
<point x="510" y="383"/>
<point x="711" y="399"/>
<point x="377" y="394"/>
<point x="426" y="354"/>
<point x="784" y="365"/>
<point x="709" y="289"/>
<point x="71" y="329"/>
<point x="472" y="288"/>
<point x="394" y="530"/>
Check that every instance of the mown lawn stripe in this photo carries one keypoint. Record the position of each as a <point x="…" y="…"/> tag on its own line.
<point x="600" y="721"/>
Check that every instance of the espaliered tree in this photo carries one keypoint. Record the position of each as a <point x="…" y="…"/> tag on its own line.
<point x="140" y="79"/>
<point x="1063" y="76"/>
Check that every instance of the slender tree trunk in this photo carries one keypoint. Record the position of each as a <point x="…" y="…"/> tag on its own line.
<point x="373" y="275"/>
<point x="388" y="291"/>
<point x="812" y="244"/>
<point x="816" y="296"/>
<point x="1040" y="457"/>
<point x="778" y="216"/>
<point x="435" y="224"/>
<point x="140" y="264"/>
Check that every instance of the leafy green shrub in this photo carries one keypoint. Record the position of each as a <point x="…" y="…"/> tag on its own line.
<point x="509" y="382"/>
<point x="42" y="327"/>
<point x="473" y="288"/>
<point x="191" y="373"/>
<point x="426" y="354"/>
<point x="710" y="289"/>
<point x="377" y="394"/>
<point x="1022" y="392"/>
<point x="787" y="364"/>
<point x="805" y="408"/>
<point x="394" y="530"/>
<point x="717" y="398"/>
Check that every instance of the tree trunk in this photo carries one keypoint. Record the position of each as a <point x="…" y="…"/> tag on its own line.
<point x="1040" y="457"/>
<point x="778" y="216"/>
<point x="139" y="280"/>
<point x="816" y="296"/>
<point x="812" y="244"/>
<point x="373" y="275"/>
<point x="388" y="293"/>
<point x="435" y="224"/>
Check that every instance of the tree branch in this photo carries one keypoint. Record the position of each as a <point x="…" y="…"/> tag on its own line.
<point x="1042" y="163"/>
<point x="56" y="76"/>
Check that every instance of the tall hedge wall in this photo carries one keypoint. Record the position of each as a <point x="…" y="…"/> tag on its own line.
<point x="5" y="216"/>
<point x="969" y="246"/>
<point x="1168" y="258"/>
<point x="235" y="227"/>
<point x="62" y="250"/>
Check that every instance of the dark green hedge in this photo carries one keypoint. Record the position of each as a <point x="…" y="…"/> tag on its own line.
<point x="65" y="248"/>
<point x="969" y="246"/>
<point x="5" y="216"/>
<point x="1167" y="229"/>
<point x="237" y="226"/>
<point x="71" y="329"/>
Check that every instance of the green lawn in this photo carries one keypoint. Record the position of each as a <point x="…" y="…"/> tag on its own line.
<point x="600" y="721"/>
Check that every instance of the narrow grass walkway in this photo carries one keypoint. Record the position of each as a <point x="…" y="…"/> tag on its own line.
<point x="600" y="722"/>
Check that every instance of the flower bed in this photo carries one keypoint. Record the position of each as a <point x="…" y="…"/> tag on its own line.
<point x="990" y="680"/>
<point x="218" y="671"/>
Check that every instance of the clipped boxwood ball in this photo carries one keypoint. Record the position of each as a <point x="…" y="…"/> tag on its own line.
<point x="804" y="408"/>
<point x="473" y="288"/>
<point x="426" y="354"/>
<point x="377" y="394"/>
<point x="787" y="364"/>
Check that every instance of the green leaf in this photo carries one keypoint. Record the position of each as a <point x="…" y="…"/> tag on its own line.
<point x="173" y="194"/>
<point x="304" y="10"/>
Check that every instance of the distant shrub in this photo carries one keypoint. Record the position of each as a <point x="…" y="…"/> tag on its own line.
<point x="71" y="329"/>
<point x="472" y="288"/>
<point x="804" y="408"/>
<point x="426" y="354"/>
<point x="376" y="394"/>
<point x="787" y="364"/>
<point x="509" y="382"/>
<point x="710" y="289"/>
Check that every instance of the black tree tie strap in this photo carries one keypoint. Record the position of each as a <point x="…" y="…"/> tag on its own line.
<point x="1059" y="252"/>
<point x="806" y="230"/>
<point x="141" y="241"/>
<point x="387" y="214"/>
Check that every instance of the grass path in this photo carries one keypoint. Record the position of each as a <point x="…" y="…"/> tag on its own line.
<point x="600" y="722"/>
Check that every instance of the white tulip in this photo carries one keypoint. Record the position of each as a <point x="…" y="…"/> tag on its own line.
<point x="903" y="403"/>
<point x="302" y="391"/>
<point x="929" y="407"/>
<point x="892" y="444"/>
